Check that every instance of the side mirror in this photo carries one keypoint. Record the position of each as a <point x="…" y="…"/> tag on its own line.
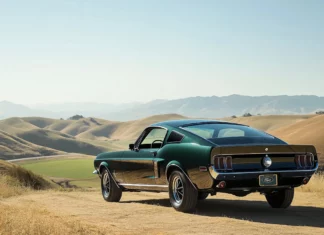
<point x="131" y="146"/>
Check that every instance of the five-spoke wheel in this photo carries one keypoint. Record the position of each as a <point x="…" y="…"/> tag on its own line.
<point x="177" y="189"/>
<point x="110" y="191"/>
<point x="183" y="195"/>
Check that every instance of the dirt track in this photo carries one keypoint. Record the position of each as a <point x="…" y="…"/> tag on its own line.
<point x="150" y="213"/>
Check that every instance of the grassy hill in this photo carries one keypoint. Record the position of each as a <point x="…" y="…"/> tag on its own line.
<point x="12" y="147"/>
<point x="126" y="130"/>
<point x="15" y="180"/>
<point x="60" y="141"/>
<point x="309" y="131"/>
<point x="271" y="122"/>
<point x="93" y="135"/>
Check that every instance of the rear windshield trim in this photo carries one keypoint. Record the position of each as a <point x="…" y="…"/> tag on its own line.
<point x="265" y="138"/>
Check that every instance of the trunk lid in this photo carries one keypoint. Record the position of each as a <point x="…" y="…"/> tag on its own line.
<point x="250" y="157"/>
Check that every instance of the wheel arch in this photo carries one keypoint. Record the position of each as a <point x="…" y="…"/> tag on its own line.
<point x="175" y="165"/>
<point x="104" y="165"/>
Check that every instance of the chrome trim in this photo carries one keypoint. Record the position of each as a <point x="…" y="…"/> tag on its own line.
<point x="215" y="173"/>
<point x="299" y="162"/>
<point x="95" y="172"/>
<point x="145" y="185"/>
<point x="239" y="154"/>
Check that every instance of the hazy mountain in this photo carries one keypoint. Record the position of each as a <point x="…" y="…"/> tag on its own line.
<point x="87" y="109"/>
<point x="217" y="107"/>
<point x="205" y="107"/>
<point x="8" y="109"/>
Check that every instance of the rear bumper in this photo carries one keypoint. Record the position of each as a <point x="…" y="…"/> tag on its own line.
<point x="250" y="180"/>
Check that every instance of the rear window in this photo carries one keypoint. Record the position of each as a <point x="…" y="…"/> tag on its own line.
<point x="231" y="134"/>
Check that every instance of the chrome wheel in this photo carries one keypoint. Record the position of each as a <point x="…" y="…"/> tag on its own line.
<point x="177" y="190"/>
<point x="106" y="184"/>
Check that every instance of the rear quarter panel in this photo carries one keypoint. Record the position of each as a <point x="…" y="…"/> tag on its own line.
<point x="190" y="157"/>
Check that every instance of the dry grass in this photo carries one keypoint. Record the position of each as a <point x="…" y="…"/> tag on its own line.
<point x="28" y="220"/>
<point x="10" y="187"/>
<point x="15" y="180"/>
<point x="32" y="212"/>
<point x="315" y="185"/>
<point x="151" y="213"/>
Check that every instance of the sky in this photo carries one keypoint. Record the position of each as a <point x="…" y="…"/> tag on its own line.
<point x="105" y="51"/>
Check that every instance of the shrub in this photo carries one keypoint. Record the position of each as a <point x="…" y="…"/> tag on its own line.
<point x="76" y="117"/>
<point x="320" y="112"/>
<point x="247" y="115"/>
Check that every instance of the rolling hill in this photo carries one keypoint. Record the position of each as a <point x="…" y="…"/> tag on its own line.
<point x="309" y="131"/>
<point x="12" y="147"/>
<point x="60" y="141"/>
<point x="93" y="135"/>
<point x="270" y="122"/>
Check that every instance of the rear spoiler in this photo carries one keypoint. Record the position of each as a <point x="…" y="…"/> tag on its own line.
<point x="264" y="149"/>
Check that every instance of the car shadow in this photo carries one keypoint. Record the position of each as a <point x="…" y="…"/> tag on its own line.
<point x="256" y="211"/>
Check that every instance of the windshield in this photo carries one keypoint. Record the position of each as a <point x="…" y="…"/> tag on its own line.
<point x="228" y="134"/>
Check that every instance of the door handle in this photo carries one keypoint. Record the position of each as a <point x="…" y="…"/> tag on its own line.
<point x="154" y="153"/>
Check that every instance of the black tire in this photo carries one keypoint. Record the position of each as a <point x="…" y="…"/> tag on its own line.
<point x="109" y="189"/>
<point x="183" y="196"/>
<point x="281" y="199"/>
<point x="202" y="196"/>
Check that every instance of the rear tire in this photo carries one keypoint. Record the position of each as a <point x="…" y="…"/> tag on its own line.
<point x="281" y="199"/>
<point x="183" y="196"/>
<point x="109" y="189"/>
<point x="202" y="196"/>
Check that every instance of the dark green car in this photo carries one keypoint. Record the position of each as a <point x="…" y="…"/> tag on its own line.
<point x="191" y="159"/>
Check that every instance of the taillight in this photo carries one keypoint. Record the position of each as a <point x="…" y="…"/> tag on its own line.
<point x="304" y="161"/>
<point x="223" y="163"/>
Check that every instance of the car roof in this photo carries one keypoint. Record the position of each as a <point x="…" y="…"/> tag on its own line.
<point x="189" y="122"/>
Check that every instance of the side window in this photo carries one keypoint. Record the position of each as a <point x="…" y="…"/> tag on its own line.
<point x="155" y="136"/>
<point x="175" y="137"/>
<point x="230" y="132"/>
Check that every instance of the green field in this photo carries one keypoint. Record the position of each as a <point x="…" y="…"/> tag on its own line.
<point x="79" y="171"/>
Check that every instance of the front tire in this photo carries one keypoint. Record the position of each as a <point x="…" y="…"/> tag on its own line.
<point x="281" y="199"/>
<point x="109" y="189"/>
<point x="183" y="196"/>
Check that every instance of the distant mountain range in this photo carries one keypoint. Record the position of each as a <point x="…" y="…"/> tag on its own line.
<point x="204" y="107"/>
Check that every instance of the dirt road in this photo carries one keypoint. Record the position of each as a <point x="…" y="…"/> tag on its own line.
<point x="150" y="213"/>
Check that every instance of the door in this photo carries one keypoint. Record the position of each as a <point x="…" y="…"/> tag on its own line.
<point x="138" y="164"/>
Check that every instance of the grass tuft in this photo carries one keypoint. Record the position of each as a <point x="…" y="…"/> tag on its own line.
<point x="315" y="185"/>
<point x="25" y="220"/>
<point x="14" y="180"/>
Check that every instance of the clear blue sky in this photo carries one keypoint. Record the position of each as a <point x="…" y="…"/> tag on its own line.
<point x="124" y="51"/>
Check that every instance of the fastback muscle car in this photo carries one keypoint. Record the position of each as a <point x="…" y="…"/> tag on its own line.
<point x="191" y="159"/>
